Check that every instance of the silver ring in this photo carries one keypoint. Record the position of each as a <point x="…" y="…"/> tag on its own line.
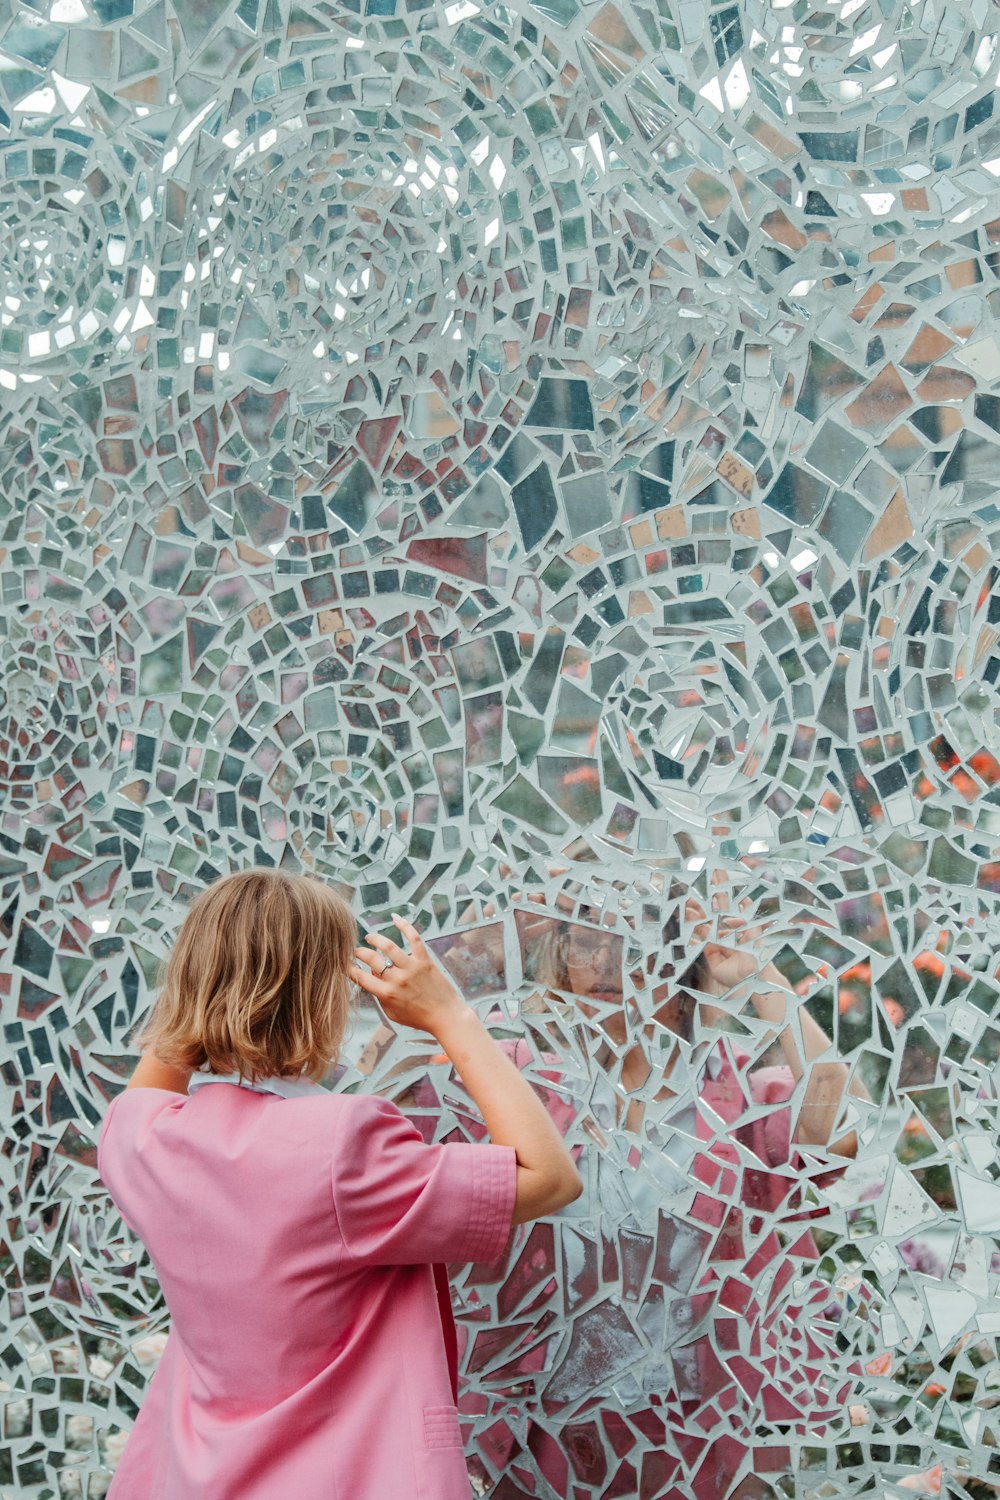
<point x="386" y="965"/>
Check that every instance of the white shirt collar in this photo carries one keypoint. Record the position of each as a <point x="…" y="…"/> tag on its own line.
<point x="288" y="1088"/>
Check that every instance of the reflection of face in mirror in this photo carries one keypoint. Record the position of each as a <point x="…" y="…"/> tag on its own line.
<point x="570" y="956"/>
<point x="474" y="958"/>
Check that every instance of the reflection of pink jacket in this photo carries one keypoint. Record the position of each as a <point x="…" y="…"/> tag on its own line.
<point x="740" y="1344"/>
<point x="776" y="1183"/>
<point x="562" y="1111"/>
<point x="312" y="1347"/>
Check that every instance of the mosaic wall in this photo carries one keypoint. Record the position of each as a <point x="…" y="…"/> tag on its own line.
<point x="533" y="465"/>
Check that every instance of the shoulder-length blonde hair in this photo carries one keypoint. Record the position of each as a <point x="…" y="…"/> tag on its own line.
<point x="257" y="980"/>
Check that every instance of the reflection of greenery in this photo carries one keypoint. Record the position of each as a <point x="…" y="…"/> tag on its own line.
<point x="825" y="1240"/>
<point x="912" y="1146"/>
<point x="918" y="1394"/>
<point x="844" y="1013"/>
<point x="937" y="1183"/>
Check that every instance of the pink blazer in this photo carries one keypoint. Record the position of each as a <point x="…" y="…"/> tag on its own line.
<point x="298" y="1243"/>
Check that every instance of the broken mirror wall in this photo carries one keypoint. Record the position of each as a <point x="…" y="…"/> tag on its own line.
<point x="533" y="465"/>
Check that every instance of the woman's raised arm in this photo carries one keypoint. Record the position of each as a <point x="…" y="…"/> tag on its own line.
<point x="824" y="1092"/>
<point x="413" y="991"/>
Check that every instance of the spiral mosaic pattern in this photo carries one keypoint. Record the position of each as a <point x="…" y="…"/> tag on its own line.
<point x="534" y="466"/>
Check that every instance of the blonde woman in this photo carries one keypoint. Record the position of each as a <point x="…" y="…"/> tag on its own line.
<point x="748" y="1341"/>
<point x="299" y="1235"/>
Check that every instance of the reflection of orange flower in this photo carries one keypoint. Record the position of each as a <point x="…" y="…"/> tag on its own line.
<point x="880" y="1365"/>
<point x="944" y="755"/>
<point x="964" y="785"/>
<point x="586" y="774"/>
<point x="854" y="982"/>
<point x="929" y="962"/>
<point x="914" y="1126"/>
<point x="927" y="1483"/>
<point x="986" y="766"/>
<point x="895" y="1012"/>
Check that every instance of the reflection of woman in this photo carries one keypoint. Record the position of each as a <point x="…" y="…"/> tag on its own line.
<point x="571" y="956"/>
<point x="746" y="1358"/>
<point x="745" y="1353"/>
<point x="474" y="957"/>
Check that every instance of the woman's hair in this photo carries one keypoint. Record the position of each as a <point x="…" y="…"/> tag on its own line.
<point x="547" y="961"/>
<point x="257" y="980"/>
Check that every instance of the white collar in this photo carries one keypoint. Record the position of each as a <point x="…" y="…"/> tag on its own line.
<point x="288" y="1088"/>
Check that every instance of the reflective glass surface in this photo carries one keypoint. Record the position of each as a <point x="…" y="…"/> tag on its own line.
<point x="534" y="465"/>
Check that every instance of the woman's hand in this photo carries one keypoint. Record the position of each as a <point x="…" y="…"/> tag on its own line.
<point x="726" y="966"/>
<point x="409" y="987"/>
<point x="413" y="991"/>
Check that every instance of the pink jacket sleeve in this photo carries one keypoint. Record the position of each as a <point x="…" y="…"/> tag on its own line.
<point x="399" y="1201"/>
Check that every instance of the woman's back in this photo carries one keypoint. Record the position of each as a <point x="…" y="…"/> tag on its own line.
<point x="295" y="1241"/>
<point x="300" y="1237"/>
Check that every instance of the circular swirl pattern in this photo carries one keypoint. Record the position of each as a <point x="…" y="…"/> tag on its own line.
<point x="45" y="694"/>
<point x="338" y="233"/>
<point x="708" y="717"/>
<point x="67" y="242"/>
<point x="348" y="271"/>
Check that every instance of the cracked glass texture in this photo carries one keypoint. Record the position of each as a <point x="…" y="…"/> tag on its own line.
<point x="534" y="466"/>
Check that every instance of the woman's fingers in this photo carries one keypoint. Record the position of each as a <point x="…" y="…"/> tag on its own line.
<point x="380" y="971"/>
<point x="369" y="982"/>
<point x="386" y="947"/>
<point x="408" y="930"/>
<point x="371" y="957"/>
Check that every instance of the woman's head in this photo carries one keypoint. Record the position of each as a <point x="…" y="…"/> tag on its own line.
<point x="257" y="979"/>
<point x="572" y="956"/>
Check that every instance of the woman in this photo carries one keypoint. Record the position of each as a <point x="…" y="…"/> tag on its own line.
<point x="750" y="1361"/>
<point x="298" y="1234"/>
